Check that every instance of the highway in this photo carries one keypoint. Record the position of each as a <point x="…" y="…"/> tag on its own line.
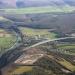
<point x="43" y="42"/>
<point x="16" y="51"/>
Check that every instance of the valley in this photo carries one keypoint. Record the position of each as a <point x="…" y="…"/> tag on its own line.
<point x="37" y="41"/>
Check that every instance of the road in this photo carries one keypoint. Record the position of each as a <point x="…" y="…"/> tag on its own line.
<point x="18" y="39"/>
<point x="16" y="51"/>
<point x="43" y="42"/>
<point x="11" y="53"/>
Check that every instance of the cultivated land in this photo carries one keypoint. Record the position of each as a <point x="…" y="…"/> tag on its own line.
<point x="52" y="62"/>
<point x="67" y="48"/>
<point x="6" y="40"/>
<point x="42" y="33"/>
<point x="22" y="69"/>
<point x="46" y="9"/>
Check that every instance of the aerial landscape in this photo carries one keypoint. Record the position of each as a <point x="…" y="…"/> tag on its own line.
<point x="37" y="37"/>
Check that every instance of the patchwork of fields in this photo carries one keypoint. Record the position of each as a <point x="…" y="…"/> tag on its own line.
<point x="46" y="9"/>
<point x="41" y="33"/>
<point x="58" y="57"/>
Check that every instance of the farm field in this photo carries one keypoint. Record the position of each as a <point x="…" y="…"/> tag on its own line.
<point x="40" y="69"/>
<point x="46" y="9"/>
<point x="6" y="40"/>
<point x="63" y="62"/>
<point x="37" y="32"/>
<point x="22" y="69"/>
<point x="32" y="26"/>
<point x="68" y="48"/>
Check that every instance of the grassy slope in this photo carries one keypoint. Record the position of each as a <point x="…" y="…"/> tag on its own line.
<point x="46" y="9"/>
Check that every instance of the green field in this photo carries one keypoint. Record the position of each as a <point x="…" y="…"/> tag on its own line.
<point x="6" y="41"/>
<point x="21" y="70"/>
<point x="68" y="48"/>
<point x="64" y="63"/>
<point x="37" y="32"/>
<point x="46" y="9"/>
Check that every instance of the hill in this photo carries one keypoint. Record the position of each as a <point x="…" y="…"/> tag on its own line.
<point x="34" y="3"/>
